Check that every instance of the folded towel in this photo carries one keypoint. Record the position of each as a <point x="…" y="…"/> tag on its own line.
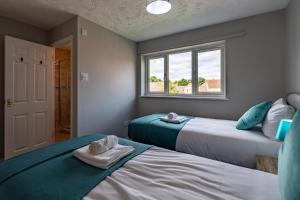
<point x="177" y="120"/>
<point x="103" y="160"/>
<point x="103" y="145"/>
<point x="172" y="115"/>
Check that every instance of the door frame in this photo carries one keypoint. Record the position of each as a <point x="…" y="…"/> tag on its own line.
<point x="57" y="44"/>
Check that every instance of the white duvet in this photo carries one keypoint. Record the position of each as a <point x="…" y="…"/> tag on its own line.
<point x="220" y="140"/>
<point x="163" y="174"/>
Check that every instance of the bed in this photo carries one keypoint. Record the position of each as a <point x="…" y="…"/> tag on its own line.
<point x="211" y="138"/>
<point x="148" y="173"/>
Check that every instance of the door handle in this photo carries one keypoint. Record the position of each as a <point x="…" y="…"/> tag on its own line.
<point x="9" y="103"/>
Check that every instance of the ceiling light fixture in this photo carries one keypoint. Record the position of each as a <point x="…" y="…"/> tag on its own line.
<point x="157" y="7"/>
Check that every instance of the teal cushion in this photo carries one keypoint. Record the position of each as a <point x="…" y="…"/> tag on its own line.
<point x="254" y="116"/>
<point x="289" y="163"/>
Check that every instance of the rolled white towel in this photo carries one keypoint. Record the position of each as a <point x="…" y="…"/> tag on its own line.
<point x="111" y="141"/>
<point x="103" y="145"/>
<point x="177" y="120"/>
<point x="172" y="115"/>
<point x="98" y="147"/>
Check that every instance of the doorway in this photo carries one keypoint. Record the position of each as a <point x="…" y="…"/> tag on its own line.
<point x="62" y="92"/>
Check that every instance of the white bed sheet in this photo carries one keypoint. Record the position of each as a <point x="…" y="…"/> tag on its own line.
<point x="220" y="140"/>
<point x="163" y="174"/>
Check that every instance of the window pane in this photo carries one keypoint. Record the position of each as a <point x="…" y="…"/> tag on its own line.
<point x="180" y="73"/>
<point x="156" y="75"/>
<point x="209" y="71"/>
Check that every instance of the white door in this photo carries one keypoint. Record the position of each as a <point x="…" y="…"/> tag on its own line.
<point x="29" y="108"/>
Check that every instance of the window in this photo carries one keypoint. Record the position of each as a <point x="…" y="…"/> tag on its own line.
<point x="180" y="73"/>
<point x="197" y="71"/>
<point x="156" y="75"/>
<point x="209" y="71"/>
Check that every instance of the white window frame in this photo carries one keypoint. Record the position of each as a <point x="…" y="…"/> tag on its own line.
<point x="220" y="45"/>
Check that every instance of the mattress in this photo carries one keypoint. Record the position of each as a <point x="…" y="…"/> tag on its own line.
<point x="220" y="140"/>
<point x="163" y="174"/>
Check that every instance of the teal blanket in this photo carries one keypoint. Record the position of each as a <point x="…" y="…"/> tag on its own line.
<point x="54" y="173"/>
<point x="151" y="130"/>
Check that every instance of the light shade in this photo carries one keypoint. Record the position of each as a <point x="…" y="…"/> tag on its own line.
<point x="158" y="7"/>
<point x="283" y="129"/>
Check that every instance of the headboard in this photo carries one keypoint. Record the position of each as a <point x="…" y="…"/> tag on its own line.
<point x="293" y="99"/>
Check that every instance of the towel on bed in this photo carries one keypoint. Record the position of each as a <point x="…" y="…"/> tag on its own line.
<point x="172" y="115"/>
<point x="103" y="160"/>
<point x="103" y="145"/>
<point x="177" y="120"/>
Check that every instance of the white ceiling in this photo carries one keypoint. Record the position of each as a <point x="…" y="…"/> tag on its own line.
<point x="129" y="17"/>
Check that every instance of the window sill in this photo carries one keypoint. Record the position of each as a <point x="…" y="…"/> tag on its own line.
<point x="217" y="98"/>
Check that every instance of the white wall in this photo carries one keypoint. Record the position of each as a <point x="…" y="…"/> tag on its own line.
<point x="108" y="98"/>
<point x="293" y="46"/>
<point x="255" y="66"/>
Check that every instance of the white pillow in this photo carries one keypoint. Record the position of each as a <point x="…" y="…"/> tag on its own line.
<point x="279" y="110"/>
<point x="280" y="101"/>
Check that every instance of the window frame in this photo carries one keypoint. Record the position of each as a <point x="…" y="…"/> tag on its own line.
<point x="223" y="75"/>
<point x="219" y="45"/>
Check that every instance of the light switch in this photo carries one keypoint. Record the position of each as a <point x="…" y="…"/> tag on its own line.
<point x="83" y="32"/>
<point x="84" y="77"/>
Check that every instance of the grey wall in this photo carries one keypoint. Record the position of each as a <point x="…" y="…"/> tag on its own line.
<point x="70" y="28"/>
<point x="22" y="31"/>
<point x="255" y="66"/>
<point x="293" y="46"/>
<point x="108" y="98"/>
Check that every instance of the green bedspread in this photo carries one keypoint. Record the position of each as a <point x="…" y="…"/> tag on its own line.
<point x="54" y="173"/>
<point x="151" y="130"/>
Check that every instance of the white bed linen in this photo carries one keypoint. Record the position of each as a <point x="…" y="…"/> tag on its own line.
<point x="220" y="140"/>
<point x="163" y="174"/>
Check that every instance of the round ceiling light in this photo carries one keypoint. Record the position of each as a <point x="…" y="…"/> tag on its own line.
<point x="157" y="7"/>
